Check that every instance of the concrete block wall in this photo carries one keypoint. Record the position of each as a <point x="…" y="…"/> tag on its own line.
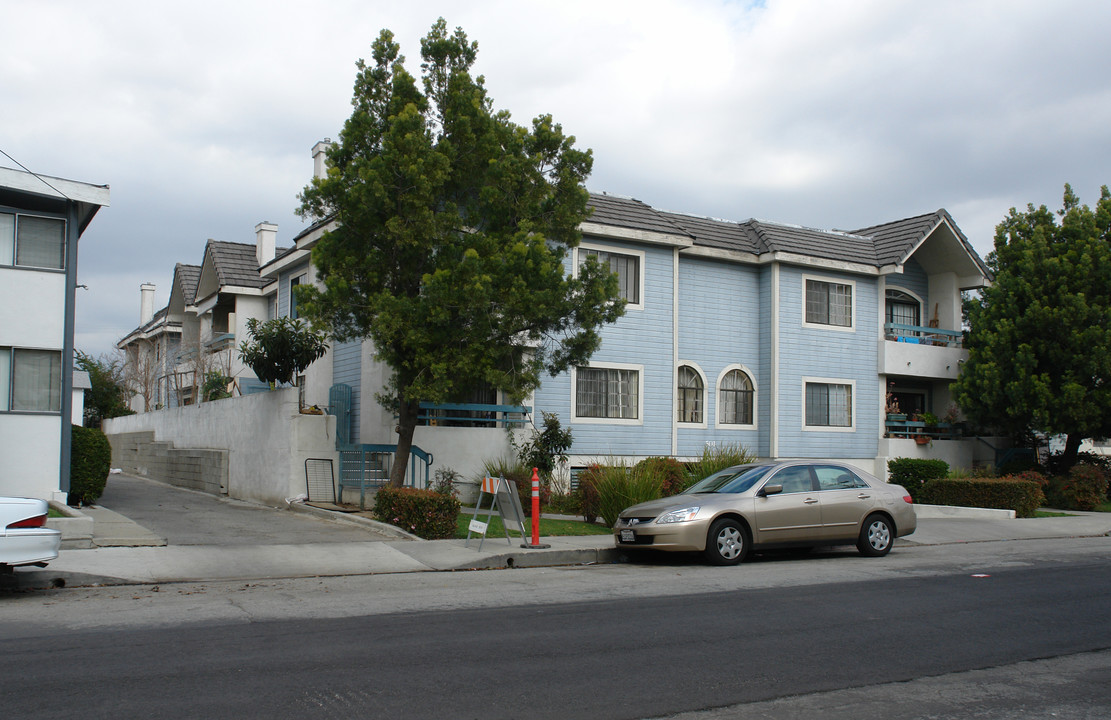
<point x="193" y="468"/>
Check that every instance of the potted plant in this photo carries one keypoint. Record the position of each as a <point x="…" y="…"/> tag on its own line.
<point x="892" y="409"/>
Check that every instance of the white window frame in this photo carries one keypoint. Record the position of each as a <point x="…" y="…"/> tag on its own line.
<point x="639" y="254"/>
<point x="851" y="327"/>
<point x="911" y="293"/>
<point x="11" y="259"/>
<point x="291" y="304"/>
<point x="575" y="417"/>
<point x="705" y="395"/>
<point x="8" y="382"/>
<point x="755" y="397"/>
<point x="830" y="381"/>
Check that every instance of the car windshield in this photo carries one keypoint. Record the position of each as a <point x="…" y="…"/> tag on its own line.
<point x="731" y="480"/>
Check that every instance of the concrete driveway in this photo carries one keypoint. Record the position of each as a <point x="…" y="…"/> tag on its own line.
<point x="186" y="517"/>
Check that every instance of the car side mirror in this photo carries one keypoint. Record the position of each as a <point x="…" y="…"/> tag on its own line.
<point x="769" y="490"/>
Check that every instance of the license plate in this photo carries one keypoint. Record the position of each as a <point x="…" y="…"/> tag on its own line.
<point x="628" y="536"/>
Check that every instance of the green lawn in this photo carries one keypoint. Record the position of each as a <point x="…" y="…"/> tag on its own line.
<point x="53" y="513"/>
<point x="1105" y="507"/>
<point x="548" y="528"/>
<point x="1045" y="514"/>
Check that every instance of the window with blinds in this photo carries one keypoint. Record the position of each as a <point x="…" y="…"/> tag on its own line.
<point x="607" y="393"/>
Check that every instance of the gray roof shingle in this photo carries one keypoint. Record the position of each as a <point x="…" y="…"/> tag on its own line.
<point x="236" y="264"/>
<point x="827" y="244"/>
<point x="630" y="213"/>
<point x="187" y="276"/>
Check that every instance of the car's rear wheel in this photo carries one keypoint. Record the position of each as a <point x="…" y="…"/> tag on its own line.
<point x="727" y="543"/>
<point x="876" y="536"/>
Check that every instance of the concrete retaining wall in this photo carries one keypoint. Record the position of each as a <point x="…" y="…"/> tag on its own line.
<point x="252" y="447"/>
<point x="139" y="453"/>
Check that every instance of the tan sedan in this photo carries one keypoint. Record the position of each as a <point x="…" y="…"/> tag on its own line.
<point x="772" y="505"/>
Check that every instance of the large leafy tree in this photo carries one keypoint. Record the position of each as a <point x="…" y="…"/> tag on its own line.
<point x="1040" y="336"/>
<point x="452" y="227"/>
<point x="107" y="398"/>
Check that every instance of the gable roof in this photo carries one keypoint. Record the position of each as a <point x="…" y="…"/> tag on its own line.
<point x="897" y="240"/>
<point x="185" y="278"/>
<point x="235" y="264"/>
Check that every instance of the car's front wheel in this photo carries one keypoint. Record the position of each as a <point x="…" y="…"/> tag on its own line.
<point x="727" y="543"/>
<point x="876" y="536"/>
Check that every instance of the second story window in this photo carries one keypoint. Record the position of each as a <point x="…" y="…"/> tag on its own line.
<point x="293" y="283"/>
<point x="32" y="241"/>
<point x="829" y="303"/>
<point x="902" y="308"/>
<point x="627" y="267"/>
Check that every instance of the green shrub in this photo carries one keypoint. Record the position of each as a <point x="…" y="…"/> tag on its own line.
<point x="619" y="487"/>
<point x="563" y="503"/>
<point x="717" y="457"/>
<point x="521" y="476"/>
<point x="1007" y="493"/>
<point x="425" y="513"/>
<point x="914" y="473"/>
<point x="89" y="464"/>
<point x="586" y="495"/>
<point x="673" y="476"/>
<point x="1083" y="488"/>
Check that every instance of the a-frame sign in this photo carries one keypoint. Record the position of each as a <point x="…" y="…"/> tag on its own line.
<point x="503" y="494"/>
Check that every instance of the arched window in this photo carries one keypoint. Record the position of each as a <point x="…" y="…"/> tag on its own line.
<point x="690" y="395"/>
<point x="735" y="399"/>
<point x="903" y="308"/>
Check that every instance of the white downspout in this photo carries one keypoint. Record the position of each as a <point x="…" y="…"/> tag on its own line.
<point x="675" y="353"/>
<point x="774" y="448"/>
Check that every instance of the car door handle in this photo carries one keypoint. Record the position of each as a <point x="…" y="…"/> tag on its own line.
<point x="863" y="496"/>
<point x="810" y="501"/>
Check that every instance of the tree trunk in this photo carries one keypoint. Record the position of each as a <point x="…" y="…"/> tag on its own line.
<point x="1072" y="449"/>
<point x="406" y="426"/>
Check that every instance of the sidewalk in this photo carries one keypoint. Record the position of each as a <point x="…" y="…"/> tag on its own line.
<point x="133" y="559"/>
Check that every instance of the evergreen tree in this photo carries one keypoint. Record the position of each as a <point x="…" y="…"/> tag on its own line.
<point x="1040" y="336"/>
<point x="452" y="228"/>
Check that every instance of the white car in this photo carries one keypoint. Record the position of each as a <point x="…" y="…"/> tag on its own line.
<point x="24" y="537"/>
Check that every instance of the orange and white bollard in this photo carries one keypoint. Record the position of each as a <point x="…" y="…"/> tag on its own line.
<point x="535" y="513"/>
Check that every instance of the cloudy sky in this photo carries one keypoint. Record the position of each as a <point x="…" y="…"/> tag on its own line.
<point x="832" y="114"/>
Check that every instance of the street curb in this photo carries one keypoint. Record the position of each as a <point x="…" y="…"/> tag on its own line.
<point x="940" y="512"/>
<point x="551" y="558"/>
<point x="391" y="530"/>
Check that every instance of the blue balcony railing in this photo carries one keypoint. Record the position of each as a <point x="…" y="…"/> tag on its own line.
<point x="472" y="414"/>
<point x="911" y="429"/>
<point x="920" y="335"/>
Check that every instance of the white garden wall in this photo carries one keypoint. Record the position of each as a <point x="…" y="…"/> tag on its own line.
<point x="266" y="437"/>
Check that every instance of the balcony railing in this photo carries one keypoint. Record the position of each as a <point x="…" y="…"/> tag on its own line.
<point x="912" y="429"/>
<point x="220" y="341"/>
<point x="472" y="414"/>
<point x="920" y="335"/>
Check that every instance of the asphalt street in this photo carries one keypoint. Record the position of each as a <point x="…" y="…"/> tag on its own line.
<point x="619" y="657"/>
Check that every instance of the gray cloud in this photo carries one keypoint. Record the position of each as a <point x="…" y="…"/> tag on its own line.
<point x="831" y="114"/>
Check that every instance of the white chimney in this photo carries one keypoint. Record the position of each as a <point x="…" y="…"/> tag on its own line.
<point x="266" y="235"/>
<point x="319" y="157"/>
<point x="146" y="303"/>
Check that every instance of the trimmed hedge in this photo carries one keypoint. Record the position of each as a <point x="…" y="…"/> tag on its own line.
<point x="90" y="461"/>
<point x="425" y="513"/>
<point x="1006" y="493"/>
<point x="914" y="473"/>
